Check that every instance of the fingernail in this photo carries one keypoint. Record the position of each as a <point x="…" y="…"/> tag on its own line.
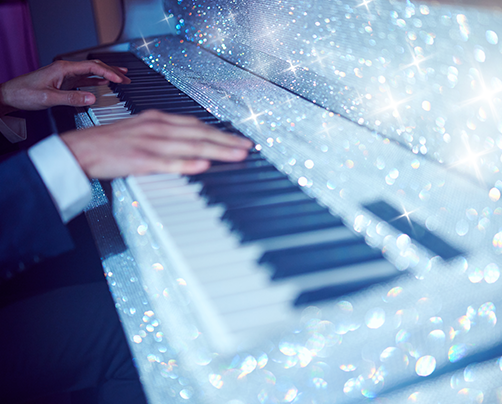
<point x="88" y="99"/>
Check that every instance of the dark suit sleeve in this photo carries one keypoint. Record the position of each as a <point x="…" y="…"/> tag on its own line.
<point x="30" y="226"/>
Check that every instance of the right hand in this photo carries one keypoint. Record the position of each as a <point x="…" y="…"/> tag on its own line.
<point x="152" y="142"/>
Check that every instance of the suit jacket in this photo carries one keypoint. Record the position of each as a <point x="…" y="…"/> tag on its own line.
<point x="30" y="226"/>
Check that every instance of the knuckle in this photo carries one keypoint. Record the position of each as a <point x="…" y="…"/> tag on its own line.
<point x="60" y="65"/>
<point x="150" y="114"/>
<point x="155" y="128"/>
<point x="193" y="166"/>
<point x="73" y="98"/>
<point x="44" y="98"/>
<point x="197" y="147"/>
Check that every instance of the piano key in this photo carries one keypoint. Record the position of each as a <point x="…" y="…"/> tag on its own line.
<point x="183" y="108"/>
<point x="240" y="215"/>
<point x="213" y="190"/>
<point x="260" y="316"/>
<point x="313" y="296"/>
<point x="237" y="177"/>
<point x="255" y="198"/>
<point x="238" y="300"/>
<point x="414" y="230"/>
<point x="288" y="263"/>
<point x="251" y="231"/>
<point x="166" y="102"/>
<point x="341" y="278"/>
<point x="248" y="196"/>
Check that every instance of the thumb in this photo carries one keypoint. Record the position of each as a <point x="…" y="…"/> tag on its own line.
<point x="73" y="98"/>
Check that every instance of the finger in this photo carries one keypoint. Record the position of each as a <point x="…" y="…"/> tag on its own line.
<point x="193" y="149"/>
<point x="119" y="71"/>
<point x="97" y="68"/>
<point x="72" y="98"/>
<point x="176" y="165"/>
<point x="192" y="128"/>
<point x="91" y="82"/>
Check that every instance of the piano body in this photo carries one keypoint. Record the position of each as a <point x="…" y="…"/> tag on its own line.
<point x="372" y="201"/>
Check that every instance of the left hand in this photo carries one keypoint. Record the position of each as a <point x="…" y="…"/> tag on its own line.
<point x="54" y="85"/>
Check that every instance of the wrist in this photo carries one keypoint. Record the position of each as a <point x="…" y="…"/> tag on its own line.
<point x="5" y="108"/>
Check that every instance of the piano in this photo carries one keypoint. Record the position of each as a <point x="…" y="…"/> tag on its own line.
<point x="355" y="254"/>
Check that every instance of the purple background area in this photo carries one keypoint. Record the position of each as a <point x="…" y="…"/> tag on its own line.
<point x="18" y="54"/>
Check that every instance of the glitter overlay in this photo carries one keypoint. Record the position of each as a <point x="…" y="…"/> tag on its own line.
<point x="357" y="102"/>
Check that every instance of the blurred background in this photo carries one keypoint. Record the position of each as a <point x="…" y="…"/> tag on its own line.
<point x="33" y="32"/>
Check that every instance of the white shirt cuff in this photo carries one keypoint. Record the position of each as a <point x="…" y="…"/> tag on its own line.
<point x="68" y="185"/>
<point x="14" y="129"/>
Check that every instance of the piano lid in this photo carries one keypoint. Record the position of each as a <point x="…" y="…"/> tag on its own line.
<point x="422" y="74"/>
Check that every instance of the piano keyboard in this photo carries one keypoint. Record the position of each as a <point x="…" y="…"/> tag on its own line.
<point x="251" y="243"/>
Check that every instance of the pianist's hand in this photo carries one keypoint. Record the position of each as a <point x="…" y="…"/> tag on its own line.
<point x="152" y="142"/>
<point x="53" y="84"/>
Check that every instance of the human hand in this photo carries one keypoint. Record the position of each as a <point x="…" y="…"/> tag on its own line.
<point x="54" y="85"/>
<point x="152" y="142"/>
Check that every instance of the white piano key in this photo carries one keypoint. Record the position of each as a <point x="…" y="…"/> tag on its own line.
<point x="193" y="239"/>
<point x="236" y="292"/>
<point x="236" y="286"/>
<point x="206" y="225"/>
<point x="227" y="271"/>
<point x="246" y="300"/>
<point x="210" y="247"/>
<point x="168" y="183"/>
<point x="194" y="215"/>
<point x="307" y="238"/>
<point x="164" y="195"/>
<point x="241" y="254"/>
<point x="144" y="180"/>
<point x="179" y="205"/>
<point x="257" y="317"/>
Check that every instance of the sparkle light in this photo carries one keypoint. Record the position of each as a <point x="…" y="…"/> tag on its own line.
<point x="472" y="160"/>
<point x="365" y="4"/>
<point x="167" y="19"/>
<point x="253" y="116"/>
<point x="145" y="44"/>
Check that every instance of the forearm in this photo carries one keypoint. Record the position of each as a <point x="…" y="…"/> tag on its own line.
<point x="31" y="226"/>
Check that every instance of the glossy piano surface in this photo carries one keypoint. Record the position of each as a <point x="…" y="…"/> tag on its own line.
<point x="445" y="234"/>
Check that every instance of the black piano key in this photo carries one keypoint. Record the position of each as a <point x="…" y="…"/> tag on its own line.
<point x="156" y="98"/>
<point x="137" y="83"/>
<point x="256" y="208"/>
<point x="145" y="96"/>
<point x="245" y="188"/>
<point x="261" y="213"/>
<point x="154" y="90"/>
<point x="193" y="111"/>
<point x="146" y="85"/>
<point x="299" y="223"/>
<point x="334" y="291"/>
<point x="326" y="256"/>
<point x="241" y="177"/>
<point x="224" y="169"/>
<point x="228" y="169"/>
<point x="415" y="231"/>
<point x="182" y="102"/>
<point x="183" y="105"/>
<point x="213" y="190"/>
<point x="251" y="199"/>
